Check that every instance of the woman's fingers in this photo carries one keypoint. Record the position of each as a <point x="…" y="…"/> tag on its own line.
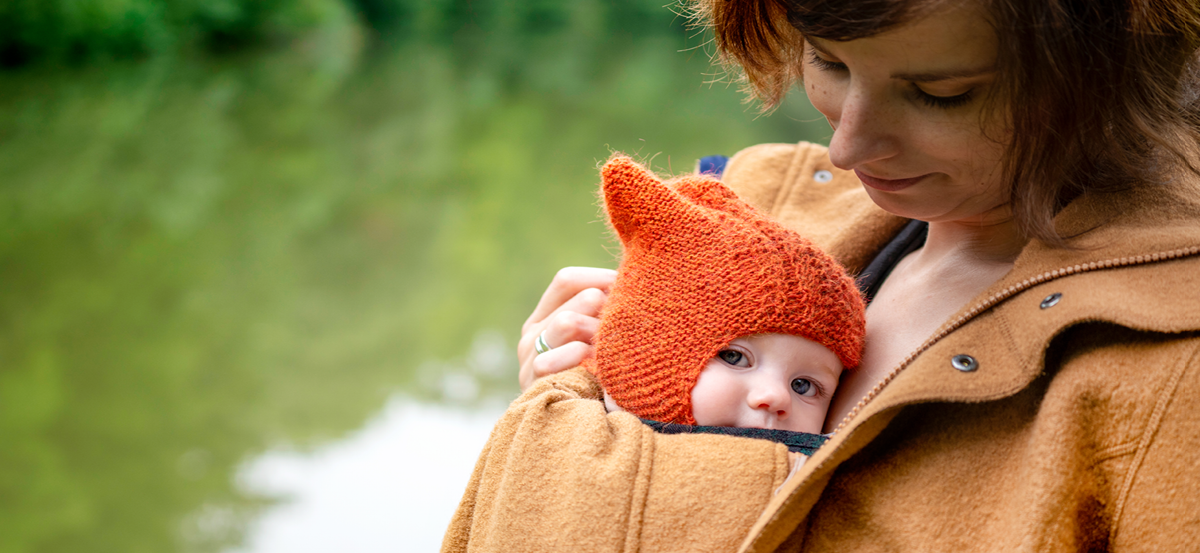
<point x="559" y="359"/>
<point x="564" y="332"/>
<point x="565" y="286"/>
<point x="567" y="319"/>
<point x="566" y="326"/>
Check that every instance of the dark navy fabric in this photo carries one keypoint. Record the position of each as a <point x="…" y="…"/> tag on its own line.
<point x="713" y="165"/>
<point x="911" y="237"/>
<point x="801" y="442"/>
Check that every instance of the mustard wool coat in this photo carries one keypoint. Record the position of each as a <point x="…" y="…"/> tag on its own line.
<point x="1078" y="428"/>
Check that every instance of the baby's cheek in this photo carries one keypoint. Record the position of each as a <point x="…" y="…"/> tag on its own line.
<point x="712" y="398"/>
<point x="809" y="418"/>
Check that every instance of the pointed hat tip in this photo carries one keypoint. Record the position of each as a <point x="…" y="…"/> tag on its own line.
<point x="629" y="189"/>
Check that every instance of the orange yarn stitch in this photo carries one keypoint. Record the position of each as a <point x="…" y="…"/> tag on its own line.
<point x="701" y="268"/>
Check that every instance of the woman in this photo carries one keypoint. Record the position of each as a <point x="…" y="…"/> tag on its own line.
<point x="1031" y="379"/>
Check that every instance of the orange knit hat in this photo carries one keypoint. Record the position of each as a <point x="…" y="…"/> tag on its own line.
<point x="700" y="269"/>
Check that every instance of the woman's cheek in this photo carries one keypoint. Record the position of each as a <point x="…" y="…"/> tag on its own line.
<point x="822" y="97"/>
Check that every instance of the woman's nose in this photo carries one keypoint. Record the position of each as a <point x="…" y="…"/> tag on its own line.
<point x="863" y="131"/>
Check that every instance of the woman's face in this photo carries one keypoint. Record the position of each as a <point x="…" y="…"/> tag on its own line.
<point x="906" y="107"/>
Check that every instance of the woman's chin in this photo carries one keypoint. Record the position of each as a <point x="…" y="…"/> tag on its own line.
<point x="903" y="204"/>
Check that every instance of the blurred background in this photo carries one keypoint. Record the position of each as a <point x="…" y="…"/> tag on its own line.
<point x="263" y="263"/>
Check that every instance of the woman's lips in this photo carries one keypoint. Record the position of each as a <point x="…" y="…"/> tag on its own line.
<point x="887" y="185"/>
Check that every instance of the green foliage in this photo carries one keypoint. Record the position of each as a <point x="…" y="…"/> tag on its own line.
<point x="445" y="17"/>
<point x="82" y="30"/>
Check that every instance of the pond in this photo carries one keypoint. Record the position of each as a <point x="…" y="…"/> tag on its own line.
<point x="269" y="301"/>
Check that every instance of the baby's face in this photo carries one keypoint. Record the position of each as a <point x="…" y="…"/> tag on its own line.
<point x="775" y="381"/>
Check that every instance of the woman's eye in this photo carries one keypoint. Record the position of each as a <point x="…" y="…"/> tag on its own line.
<point x="944" y="102"/>
<point x="804" y="387"/>
<point x="733" y="357"/>
<point x="824" y="64"/>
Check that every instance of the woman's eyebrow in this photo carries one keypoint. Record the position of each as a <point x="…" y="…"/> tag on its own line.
<point x="926" y="77"/>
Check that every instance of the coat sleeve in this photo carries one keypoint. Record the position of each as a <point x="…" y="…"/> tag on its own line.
<point x="559" y="473"/>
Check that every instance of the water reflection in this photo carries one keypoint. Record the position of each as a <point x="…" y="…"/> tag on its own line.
<point x="391" y="486"/>
<point x="203" y="261"/>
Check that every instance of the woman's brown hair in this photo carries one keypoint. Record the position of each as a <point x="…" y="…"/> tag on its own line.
<point x="1099" y="94"/>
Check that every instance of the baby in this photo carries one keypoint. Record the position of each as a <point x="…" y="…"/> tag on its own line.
<point x="720" y="321"/>
<point x="719" y="316"/>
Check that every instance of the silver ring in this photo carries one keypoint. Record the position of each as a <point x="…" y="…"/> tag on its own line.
<point x="540" y="344"/>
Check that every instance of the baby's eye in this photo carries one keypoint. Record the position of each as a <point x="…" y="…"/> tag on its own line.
<point x="804" y="387"/>
<point x="733" y="357"/>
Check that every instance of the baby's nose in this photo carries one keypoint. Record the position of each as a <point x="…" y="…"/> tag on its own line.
<point x="770" y="397"/>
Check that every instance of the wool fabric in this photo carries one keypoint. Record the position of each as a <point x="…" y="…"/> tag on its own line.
<point x="701" y="268"/>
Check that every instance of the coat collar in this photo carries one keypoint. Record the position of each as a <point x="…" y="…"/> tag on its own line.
<point x="1131" y="261"/>
<point x="1148" y="235"/>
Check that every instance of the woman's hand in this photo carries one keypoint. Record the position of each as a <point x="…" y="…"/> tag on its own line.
<point x="568" y="315"/>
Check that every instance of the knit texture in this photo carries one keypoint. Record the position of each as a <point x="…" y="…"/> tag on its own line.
<point x="701" y="268"/>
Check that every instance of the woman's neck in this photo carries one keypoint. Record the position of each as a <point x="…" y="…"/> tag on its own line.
<point x="956" y="264"/>
<point x="981" y="246"/>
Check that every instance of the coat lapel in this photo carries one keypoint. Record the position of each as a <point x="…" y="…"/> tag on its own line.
<point x="1133" y="261"/>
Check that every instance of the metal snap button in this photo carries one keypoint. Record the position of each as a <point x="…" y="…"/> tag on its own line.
<point x="1051" y="300"/>
<point x="822" y="176"/>
<point x="964" y="363"/>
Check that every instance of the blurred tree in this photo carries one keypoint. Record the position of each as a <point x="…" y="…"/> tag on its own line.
<point x="84" y="30"/>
